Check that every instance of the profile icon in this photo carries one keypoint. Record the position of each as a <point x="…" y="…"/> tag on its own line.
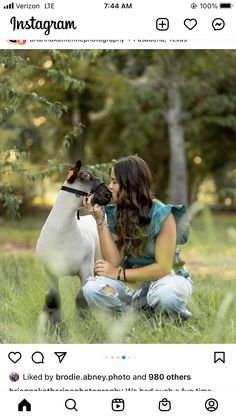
<point x="14" y="376"/>
<point x="211" y="405"/>
<point x="16" y="42"/>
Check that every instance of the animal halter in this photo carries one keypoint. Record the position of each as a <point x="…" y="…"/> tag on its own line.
<point x="95" y="185"/>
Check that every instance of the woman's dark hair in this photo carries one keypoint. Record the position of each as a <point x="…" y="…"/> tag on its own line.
<point x="134" y="202"/>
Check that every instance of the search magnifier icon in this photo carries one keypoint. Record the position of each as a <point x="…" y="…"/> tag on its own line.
<point x="71" y="404"/>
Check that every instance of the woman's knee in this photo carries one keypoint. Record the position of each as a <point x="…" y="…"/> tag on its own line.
<point x="90" y="289"/>
<point x="168" y="299"/>
<point x="107" y="289"/>
<point x="102" y="295"/>
<point x="164" y="300"/>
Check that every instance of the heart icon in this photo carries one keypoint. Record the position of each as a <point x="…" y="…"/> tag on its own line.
<point x="14" y="356"/>
<point x="190" y="23"/>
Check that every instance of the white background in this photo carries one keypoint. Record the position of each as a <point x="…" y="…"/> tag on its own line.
<point x="208" y="379"/>
<point x="98" y="27"/>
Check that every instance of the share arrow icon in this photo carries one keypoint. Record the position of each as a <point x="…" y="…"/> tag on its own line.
<point x="60" y="355"/>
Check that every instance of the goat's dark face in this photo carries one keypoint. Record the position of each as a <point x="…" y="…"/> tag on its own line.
<point x="102" y="194"/>
<point x="86" y="182"/>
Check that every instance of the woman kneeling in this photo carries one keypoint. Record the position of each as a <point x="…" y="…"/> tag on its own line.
<point x="141" y="266"/>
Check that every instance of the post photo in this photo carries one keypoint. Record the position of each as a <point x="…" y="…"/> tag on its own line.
<point x="117" y="196"/>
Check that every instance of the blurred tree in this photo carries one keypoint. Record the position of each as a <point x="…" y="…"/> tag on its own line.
<point x="209" y="97"/>
<point x="145" y="88"/>
<point x="178" y="185"/>
<point x="30" y="113"/>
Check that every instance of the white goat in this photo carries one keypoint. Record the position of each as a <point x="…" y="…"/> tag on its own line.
<point x="68" y="245"/>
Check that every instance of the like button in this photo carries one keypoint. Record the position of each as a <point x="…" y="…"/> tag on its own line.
<point x="14" y="356"/>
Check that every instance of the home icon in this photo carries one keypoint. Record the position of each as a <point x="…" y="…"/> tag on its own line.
<point x="26" y="404"/>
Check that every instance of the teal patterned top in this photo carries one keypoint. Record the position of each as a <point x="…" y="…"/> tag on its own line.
<point x="158" y="213"/>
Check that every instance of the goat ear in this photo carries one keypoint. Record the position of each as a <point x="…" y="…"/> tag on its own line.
<point x="72" y="173"/>
<point x="78" y="165"/>
<point x="70" y="177"/>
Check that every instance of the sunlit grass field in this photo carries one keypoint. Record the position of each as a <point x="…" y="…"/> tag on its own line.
<point x="210" y="258"/>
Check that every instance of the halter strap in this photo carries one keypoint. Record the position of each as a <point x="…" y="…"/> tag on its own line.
<point x="77" y="192"/>
<point x="95" y="185"/>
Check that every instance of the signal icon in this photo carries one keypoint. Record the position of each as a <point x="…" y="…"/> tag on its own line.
<point x="9" y="6"/>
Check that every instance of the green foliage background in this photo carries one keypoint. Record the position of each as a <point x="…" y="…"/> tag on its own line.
<point x="59" y="106"/>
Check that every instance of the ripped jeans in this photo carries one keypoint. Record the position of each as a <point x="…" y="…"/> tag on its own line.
<point x="169" y="294"/>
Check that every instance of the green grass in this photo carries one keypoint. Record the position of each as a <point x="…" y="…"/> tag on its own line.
<point x="26" y="228"/>
<point x="210" y="257"/>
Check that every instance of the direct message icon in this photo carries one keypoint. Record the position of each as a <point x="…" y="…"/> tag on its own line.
<point x="60" y="356"/>
<point x="164" y="405"/>
<point x="218" y="24"/>
<point x="118" y="405"/>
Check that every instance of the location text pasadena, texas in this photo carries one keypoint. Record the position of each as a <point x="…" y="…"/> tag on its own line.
<point x="45" y="25"/>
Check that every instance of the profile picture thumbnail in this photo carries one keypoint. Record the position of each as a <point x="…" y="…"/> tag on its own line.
<point x="14" y="376"/>
<point x="17" y="42"/>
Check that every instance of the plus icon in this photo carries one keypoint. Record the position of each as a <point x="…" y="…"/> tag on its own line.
<point x="162" y="24"/>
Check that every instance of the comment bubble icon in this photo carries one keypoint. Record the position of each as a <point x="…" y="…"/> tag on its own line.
<point x="38" y="357"/>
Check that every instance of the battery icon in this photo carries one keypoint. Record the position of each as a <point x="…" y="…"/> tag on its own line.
<point x="225" y="5"/>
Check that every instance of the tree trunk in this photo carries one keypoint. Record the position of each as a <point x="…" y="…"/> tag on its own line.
<point x="177" y="192"/>
<point x="77" y="148"/>
<point x="193" y="189"/>
<point x="78" y="114"/>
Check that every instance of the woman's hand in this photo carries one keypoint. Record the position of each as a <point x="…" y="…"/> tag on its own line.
<point x="97" y="211"/>
<point x="104" y="268"/>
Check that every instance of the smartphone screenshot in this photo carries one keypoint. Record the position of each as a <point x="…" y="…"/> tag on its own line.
<point x="117" y="209"/>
